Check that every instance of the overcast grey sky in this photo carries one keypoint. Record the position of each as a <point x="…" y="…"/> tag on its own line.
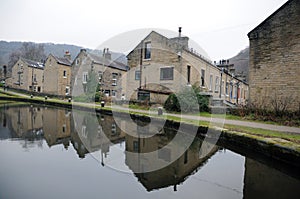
<point x="220" y="27"/>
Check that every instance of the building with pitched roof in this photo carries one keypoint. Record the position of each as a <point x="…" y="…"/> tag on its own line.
<point x="275" y="59"/>
<point x="108" y="73"/>
<point x="57" y="75"/>
<point x="160" y="66"/>
<point x="27" y="75"/>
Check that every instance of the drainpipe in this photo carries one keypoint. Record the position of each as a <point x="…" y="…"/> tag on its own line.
<point x="141" y="63"/>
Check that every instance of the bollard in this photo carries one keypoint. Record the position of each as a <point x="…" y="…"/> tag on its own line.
<point x="69" y="100"/>
<point x="102" y="103"/>
<point x="31" y="96"/>
<point x="160" y="111"/>
<point x="46" y="97"/>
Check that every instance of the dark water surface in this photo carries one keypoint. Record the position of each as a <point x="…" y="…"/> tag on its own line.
<point x="45" y="153"/>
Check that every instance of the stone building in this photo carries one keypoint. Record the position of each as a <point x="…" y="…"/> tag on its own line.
<point x="159" y="163"/>
<point x="160" y="66"/>
<point x="275" y="58"/>
<point x="57" y="75"/>
<point x="108" y="73"/>
<point x="57" y="126"/>
<point x="24" y="122"/>
<point x="27" y="75"/>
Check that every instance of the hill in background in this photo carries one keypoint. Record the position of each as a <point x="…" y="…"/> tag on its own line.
<point x="241" y="62"/>
<point x="6" y="48"/>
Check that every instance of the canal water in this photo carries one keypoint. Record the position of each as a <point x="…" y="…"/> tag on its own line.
<point x="48" y="152"/>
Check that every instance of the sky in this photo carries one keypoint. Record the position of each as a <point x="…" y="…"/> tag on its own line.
<point x="220" y="27"/>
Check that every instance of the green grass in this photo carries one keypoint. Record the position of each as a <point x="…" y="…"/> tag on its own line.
<point x="255" y="133"/>
<point x="264" y="133"/>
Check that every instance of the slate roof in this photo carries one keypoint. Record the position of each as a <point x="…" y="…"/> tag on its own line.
<point x="63" y="61"/>
<point x="33" y="64"/>
<point x="110" y="63"/>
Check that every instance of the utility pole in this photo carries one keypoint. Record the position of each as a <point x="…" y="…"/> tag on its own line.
<point x="141" y="64"/>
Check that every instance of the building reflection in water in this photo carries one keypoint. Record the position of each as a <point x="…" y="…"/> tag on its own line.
<point x="89" y="133"/>
<point x="174" y="172"/>
<point x="261" y="180"/>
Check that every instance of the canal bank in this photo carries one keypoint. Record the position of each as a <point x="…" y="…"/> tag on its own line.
<point x="271" y="146"/>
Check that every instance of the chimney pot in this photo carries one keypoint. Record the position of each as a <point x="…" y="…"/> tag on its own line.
<point x="179" y="30"/>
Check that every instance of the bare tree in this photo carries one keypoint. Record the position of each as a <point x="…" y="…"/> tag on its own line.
<point x="13" y="58"/>
<point x="281" y="103"/>
<point x="28" y="50"/>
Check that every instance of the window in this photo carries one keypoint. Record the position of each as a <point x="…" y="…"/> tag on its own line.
<point x="34" y="77"/>
<point x="114" y="79"/>
<point x="39" y="89"/>
<point x="67" y="90"/>
<point x="85" y="77"/>
<point x="166" y="73"/>
<point x="188" y="74"/>
<point x="113" y="129"/>
<point x="226" y="88"/>
<point x="185" y="157"/>
<point x="211" y="82"/>
<point x="202" y="77"/>
<point x="113" y="93"/>
<point x="164" y="154"/>
<point x="77" y="61"/>
<point x="83" y="131"/>
<point x="137" y="75"/>
<point x="136" y="146"/>
<point x="64" y="128"/>
<point x="147" y="50"/>
<point x="65" y="74"/>
<point x="222" y="87"/>
<point x="217" y="85"/>
<point x="107" y="93"/>
<point x="100" y="74"/>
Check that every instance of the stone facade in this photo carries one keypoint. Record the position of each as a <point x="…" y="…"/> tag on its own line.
<point x="108" y="73"/>
<point x="57" y="75"/>
<point x="168" y="66"/>
<point x="27" y="75"/>
<point x="275" y="58"/>
<point x="160" y="150"/>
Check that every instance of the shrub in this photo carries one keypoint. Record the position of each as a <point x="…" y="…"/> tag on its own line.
<point x="188" y="100"/>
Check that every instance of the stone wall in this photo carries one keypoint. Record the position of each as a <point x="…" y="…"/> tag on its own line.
<point x="55" y="82"/>
<point x="22" y="77"/>
<point x="111" y="80"/>
<point x="167" y="53"/>
<point x="275" y="58"/>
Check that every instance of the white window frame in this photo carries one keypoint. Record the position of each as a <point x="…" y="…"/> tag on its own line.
<point x="113" y="93"/>
<point x="217" y="84"/>
<point x="167" y="79"/>
<point x="67" y="87"/>
<point x="135" y="75"/>
<point x="84" y="77"/>
<point x="211" y="80"/>
<point x="114" y="79"/>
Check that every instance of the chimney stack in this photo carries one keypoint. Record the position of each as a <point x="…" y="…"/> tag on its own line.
<point x="107" y="54"/>
<point x="179" y="31"/>
<point x="67" y="55"/>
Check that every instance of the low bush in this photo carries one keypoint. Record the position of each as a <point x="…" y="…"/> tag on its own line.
<point x="188" y="100"/>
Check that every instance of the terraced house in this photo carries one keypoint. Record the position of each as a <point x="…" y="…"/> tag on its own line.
<point x="27" y="75"/>
<point x="57" y="75"/>
<point x="108" y="73"/>
<point x="160" y="66"/>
